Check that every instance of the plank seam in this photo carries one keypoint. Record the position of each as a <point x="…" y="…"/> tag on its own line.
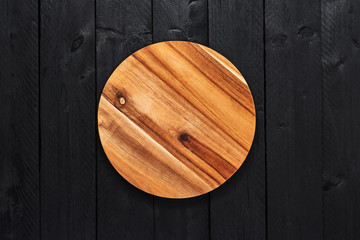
<point x="96" y="124"/>
<point x="152" y="21"/>
<point x="265" y="122"/>
<point x="39" y="110"/>
<point x="322" y="119"/>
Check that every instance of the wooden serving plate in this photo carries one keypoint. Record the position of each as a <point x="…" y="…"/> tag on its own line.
<point x="176" y="119"/>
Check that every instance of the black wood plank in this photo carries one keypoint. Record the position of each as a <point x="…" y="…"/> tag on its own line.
<point x="341" y="118"/>
<point x="181" y="218"/>
<point x="293" y="119"/>
<point x="187" y="21"/>
<point x="67" y="84"/>
<point x="122" y="27"/>
<point x="19" y="121"/>
<point x="238" y="207"/>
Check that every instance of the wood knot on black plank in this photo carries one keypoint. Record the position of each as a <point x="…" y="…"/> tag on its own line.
<point x="282" y="124"/>
<point x="328" y="185"/>
<point x="351" y="9"/>
<point x="306" y="32"/>
<point x="192" y="2"/>
<point x="333" y="182"/>
<point x="177" y="33"/>
<point x="356" y="42"/>
<point x="339" y="65"/>
<point x="77" y="43"/>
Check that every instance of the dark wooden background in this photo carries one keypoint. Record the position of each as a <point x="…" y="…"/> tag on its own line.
<point x="301" y="59"/>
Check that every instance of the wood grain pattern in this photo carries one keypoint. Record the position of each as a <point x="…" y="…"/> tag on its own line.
<point x="187" y="123"/>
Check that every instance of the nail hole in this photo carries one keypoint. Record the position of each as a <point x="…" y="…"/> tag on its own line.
<point x="282" y="124"/>
<point x="77" y="43"/>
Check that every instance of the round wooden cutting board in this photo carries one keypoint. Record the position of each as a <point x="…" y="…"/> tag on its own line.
<point x="176" y="119"/>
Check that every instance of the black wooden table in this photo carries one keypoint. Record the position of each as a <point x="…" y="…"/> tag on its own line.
<point x="301" y="59"/>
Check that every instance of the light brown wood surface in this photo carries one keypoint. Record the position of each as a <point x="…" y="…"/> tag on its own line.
<point x="176" y="119"/>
